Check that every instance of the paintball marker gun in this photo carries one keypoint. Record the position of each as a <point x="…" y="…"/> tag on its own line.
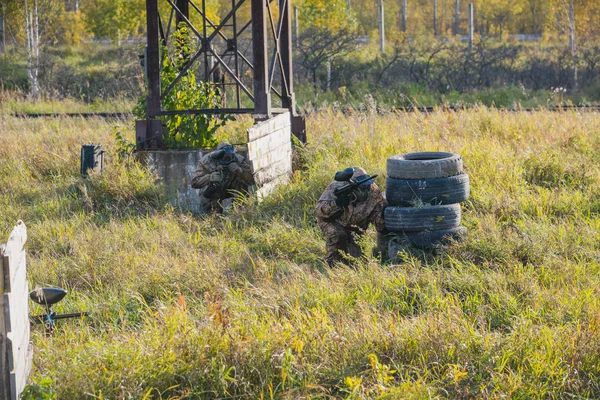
<point x="48" y="297"/>
<point x="347" y="192"/>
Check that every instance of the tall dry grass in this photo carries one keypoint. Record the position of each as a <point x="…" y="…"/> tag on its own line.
<point x="242" y="307"/>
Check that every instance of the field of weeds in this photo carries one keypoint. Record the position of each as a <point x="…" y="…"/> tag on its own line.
<point x="242" y="307"/>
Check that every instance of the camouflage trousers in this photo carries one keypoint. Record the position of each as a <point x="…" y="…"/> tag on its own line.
<point x="338" y="240"/>
<point x="209" y="206"/>
<point x="214" y="205"/>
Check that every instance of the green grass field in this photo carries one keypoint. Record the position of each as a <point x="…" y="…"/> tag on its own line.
<point x="242" y="307"/>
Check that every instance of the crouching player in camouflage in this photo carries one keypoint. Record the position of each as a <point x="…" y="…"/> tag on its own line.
<point x="346" y="209"/>
<point x="220" y="175"/>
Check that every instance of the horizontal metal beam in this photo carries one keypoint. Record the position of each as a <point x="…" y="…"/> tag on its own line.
<point x="210" y="111"/>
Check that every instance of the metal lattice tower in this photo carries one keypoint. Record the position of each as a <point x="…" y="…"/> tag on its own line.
<point x="247" y="55"/>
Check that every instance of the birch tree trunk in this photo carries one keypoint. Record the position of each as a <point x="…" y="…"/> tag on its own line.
<point x="572" y="42"/>
<point x="456" y="20"/>
<point x="435" y="18"/>
<point x="33" y="48"/>
<point x="36" y="35"/>
<point x="403" y="23"/>
<point x="381" y="26"/>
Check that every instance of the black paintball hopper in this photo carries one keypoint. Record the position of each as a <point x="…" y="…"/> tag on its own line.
<point x="47" y="296"/>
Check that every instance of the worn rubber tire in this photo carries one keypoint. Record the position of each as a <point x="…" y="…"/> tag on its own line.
<point x="424" y="165"/>
<point x="435" y="191"/>
<point x="428" y="218"/>
<point x="426" y="240"/>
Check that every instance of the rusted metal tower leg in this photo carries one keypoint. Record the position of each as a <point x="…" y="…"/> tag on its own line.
<point x="285" y="43"/>
<point x="149" y="132"/>
<point x="287" y="79"/>
<point x="262" y="92"/>
<point x="184" y="7"/>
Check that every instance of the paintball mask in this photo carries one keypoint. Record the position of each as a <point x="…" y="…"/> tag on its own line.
<point x="362" y="191"/>
<point x="228" y="154"/>
<point x="225" y="153"/>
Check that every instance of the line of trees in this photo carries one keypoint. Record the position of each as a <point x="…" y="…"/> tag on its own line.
<point x="71" y="21"/>
<point x="494" y="17"/>
<point x="327" y="29"/>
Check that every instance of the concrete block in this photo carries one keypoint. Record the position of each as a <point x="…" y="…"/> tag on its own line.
<point x="176" y="169"/>
<point x="273" y="171"/>
<point x="264" y="128"/>
<point x="266" y="189"/>
<point x="283" y="152"/>
<point x="267" y="144"/>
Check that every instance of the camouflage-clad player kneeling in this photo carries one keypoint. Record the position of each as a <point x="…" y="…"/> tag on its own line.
<point x="221" y="174"/>
<point x="347" y="214"/>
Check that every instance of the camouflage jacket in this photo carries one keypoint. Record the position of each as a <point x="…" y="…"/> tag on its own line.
<point x="359" y="215"/>
<point x="231" y="181"/>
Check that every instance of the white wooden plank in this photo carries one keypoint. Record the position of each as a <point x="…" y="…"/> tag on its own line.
<point x="19" y="299"/>
<point x="14" y="247"/>
<point x="19" y="333"/>
<point x="14" y="324"/>
<point x="17" y="238"/>
<point x="20" y="374"/>
<point x="4" y="371"/>
<point x="266" y="144"/>
<point x="269" y="126"/>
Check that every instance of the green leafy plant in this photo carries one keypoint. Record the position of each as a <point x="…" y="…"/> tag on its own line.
<point x="42" y="390"/>
<point x="123" y="147"/>
<point x="189" y="93"/>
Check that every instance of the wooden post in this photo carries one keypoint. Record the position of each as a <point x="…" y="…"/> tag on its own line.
<point x="435" y="24"/>
<point x="471" y="21"/>
<point x="456" y="24"/>
<point x="381" y="27"/>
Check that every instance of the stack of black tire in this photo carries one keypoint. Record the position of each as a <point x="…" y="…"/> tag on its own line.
<point x="424" y="191"/>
